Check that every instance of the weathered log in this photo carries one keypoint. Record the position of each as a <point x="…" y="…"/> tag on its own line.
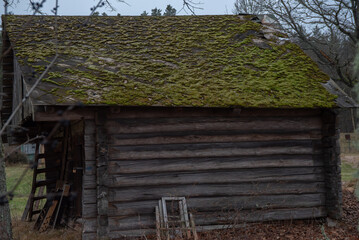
<point x="89" y="181"/>
<point x="226" y="217"/>
<point x="155" y="112"/>
<point x="89" y="225"/>
<point x="298" y="124"/>
<point x="212" y="190"/>
<point x="234" y="176"/>
<point x="89" y="196"/>
<point x="207" y="137"/>
<point x="89" y="211"/>
<point x="211" y="152"/>
<point x="197" y="146"/>
<point x="90" y="167"/>
<point x="212" y="163"/>
<point x="215" y="204"/>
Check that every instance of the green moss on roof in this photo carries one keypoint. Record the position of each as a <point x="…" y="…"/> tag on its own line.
<point x="205" y="61"/>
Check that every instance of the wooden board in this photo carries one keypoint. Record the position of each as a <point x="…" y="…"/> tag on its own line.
<point x="213" y="204"/>
<point x="212" y="190"/>
<point x="219" y="218"/>
<point x="212" y="163"/>
<point x="215" y="177"/>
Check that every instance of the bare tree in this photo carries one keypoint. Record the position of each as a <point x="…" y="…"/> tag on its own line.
<point x="327" y="30"/>
<point x="248" y="7"/>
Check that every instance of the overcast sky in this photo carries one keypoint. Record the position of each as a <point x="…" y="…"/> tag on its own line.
<point x="133" y="7"/>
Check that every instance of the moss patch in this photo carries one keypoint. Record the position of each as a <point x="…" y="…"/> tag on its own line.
<point x="207" y="61"/>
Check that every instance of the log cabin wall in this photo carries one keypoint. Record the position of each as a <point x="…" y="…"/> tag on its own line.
<point x="232" y="166"/>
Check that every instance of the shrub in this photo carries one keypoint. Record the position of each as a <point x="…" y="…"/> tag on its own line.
<point x="16" y="158"/>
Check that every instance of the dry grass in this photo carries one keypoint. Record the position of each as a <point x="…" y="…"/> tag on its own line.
<point x="25" y="231"/>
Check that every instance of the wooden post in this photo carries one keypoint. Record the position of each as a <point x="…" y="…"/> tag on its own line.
<point x="102" y="175"/>
<point x="331" y="155"/>
<point x="89" y="191"/>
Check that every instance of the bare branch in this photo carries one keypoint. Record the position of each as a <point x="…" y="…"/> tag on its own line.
<point x="191" y="6"/>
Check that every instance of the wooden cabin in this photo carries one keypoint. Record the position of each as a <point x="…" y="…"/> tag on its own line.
<point x="222" y="110"/>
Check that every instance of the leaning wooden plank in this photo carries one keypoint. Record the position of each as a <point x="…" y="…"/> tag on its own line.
<point x="26" y="210"/>
<point x="212" y="152"/>
<point x="214" y="190"/>
<point x="212" y="204"/>
<point x="309" y="174"/>
<point x="46" y="221"/>
<point x="212" y="163"/>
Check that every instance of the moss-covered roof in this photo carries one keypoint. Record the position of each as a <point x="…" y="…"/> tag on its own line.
<point x="204" y="61"/>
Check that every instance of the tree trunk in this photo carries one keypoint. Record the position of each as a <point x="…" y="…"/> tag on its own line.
<point x="5" y="218"/>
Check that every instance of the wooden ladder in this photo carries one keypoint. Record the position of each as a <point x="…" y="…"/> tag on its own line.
<point x="173" y="219"/>
<point x="32" y="205"/>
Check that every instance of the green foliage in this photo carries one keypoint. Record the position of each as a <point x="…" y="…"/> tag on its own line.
<point x="144" y="13"/>
<point x="170" y="11"/>
<point x="16" y="158"/>
<point x="204" y="61"/>
<point x="156" y="12"/>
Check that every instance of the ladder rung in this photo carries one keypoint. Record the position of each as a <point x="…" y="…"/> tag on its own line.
<point x="40" y="155"/>
<point x="36" y="212"/>
<point x="45" y="182"/>
<point x="39" y="197"/>
<point x="45" y="170"/>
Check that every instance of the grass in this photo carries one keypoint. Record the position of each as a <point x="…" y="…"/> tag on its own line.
<point x="348" y="172"/>
<point x="17" y="204"/>
<point x="24" y="230"/>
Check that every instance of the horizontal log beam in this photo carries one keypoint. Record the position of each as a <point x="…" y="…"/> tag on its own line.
<point x="212" y="190"/>
<point x="231" y="218"/>
<point x="213" y="204"/>
<point x="229" y="145"/>
<point x="298" y="124"/>
<point x="207" y="137"/>
<point x="163" y="112"/>
<point x="211" y="152"/>
<point x="212" y="163"/>
<point x="234" y="176"/>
